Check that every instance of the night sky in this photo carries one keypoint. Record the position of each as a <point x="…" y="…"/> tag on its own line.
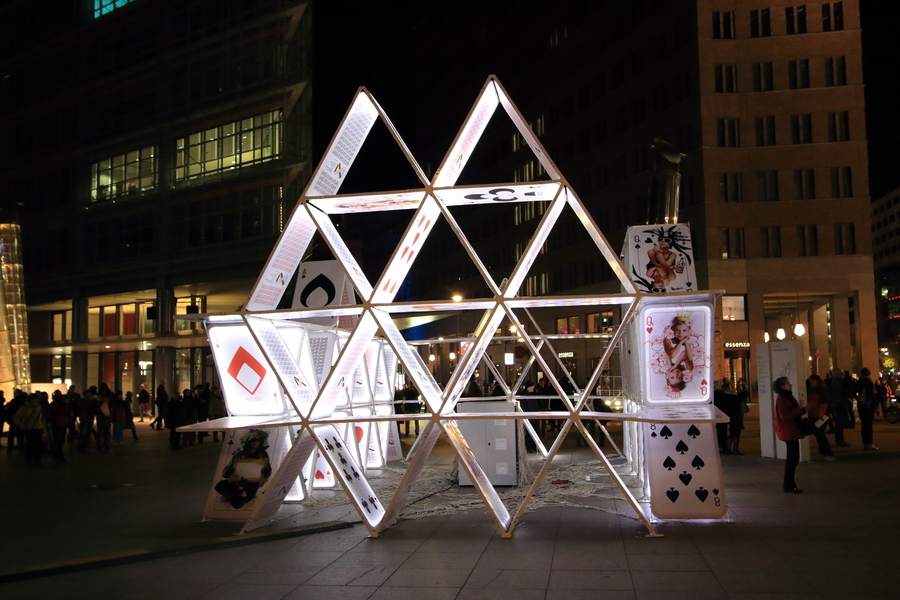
<point x="372" y="44"/>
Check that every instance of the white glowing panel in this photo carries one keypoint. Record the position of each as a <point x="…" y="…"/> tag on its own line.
<point x="409" y="247"/>
<point x="471" y="132"/>
<point x="676" y="346"/>
<point x="342" y="252"/>
<point x="249" y="385"/>
<point x="369" y="202"/>
<point x="344" y="147"/>
<point x="298" y="383"/>
<point x="494" y="194"/>
<point x="350" y="473"/>
<point x="283" y="261"/>
<point x="684" y="470"/>
<point x="323" y="283"/>
<point x="342" y="377"/>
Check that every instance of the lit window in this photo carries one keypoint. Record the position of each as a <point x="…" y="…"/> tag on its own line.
<point x="252" y="140"/>
<point x="734" y="308"/>
<point x="124" y="174"/>
<point x="101" y="7"/>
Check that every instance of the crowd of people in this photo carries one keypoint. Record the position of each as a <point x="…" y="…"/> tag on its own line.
<point x="829" y="409"/>
<point x="40" y="423"/>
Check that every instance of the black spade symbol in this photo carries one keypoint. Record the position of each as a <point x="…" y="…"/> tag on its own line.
<point x="648" y="241"/>
<point x="638" y="246"/>
<point x="685" y="477"/>
<point x="716" y="491"/>
<point x="653" y="435"/>
<point x="230" y="442"/>
<point x="319" y="282"/>
<point x="689" y="283"/>
<point x="672" y="493"/>
<point x="698" y="463"/>
<point x="669" y="463"/>
<point x="682" y="447"/>
<point x="666" y="432"/>
<point x="702" y="494"/>
<point x="693" y="431"/>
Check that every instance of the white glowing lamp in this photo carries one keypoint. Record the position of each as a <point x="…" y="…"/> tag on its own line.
<point x="780" y="334"/>
<point x="766" y="336"/>
<point x="799" y="329"/>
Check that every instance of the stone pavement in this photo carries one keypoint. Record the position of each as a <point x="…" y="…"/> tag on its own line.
<point x="140" y="506"/>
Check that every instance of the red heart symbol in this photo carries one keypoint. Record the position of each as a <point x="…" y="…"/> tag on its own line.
<point x="359" y="434"/>
<point x="703" y="382"/>
<point x="649" y="330"/>
<point x="320" y="475"/>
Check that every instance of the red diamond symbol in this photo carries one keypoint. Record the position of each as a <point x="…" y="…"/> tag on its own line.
<point x="246" y="370"/>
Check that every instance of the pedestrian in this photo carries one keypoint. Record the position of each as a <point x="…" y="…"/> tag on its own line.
<point x="735" y="403"/>
<point x="129" y="415"/>
<point x="117" y="416"/>
<point x="60" y="415"/>
<point x="174" y="420"/>
<point x="30" y="419"/>
<point x="103" y="418"/>
<point x="816" y="407"/>
<point x="866" y="404"/>
<point x="787" y="409"/>
<point x="839" y="403"/>
<point x="217" y="410"/>
<point x="87" y="412"/>
<point x="162" y="403"/>
<point x="144" y="400"/>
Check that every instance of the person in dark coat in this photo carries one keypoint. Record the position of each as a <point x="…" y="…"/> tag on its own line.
<point x="175" y="418"/>
<point x="162" y="404"/>
<point x="787" y="409"/>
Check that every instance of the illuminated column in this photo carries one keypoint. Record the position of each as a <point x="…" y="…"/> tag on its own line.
<point x="14" y="301"/>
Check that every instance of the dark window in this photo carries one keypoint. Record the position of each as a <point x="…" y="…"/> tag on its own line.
<point x="844" y="238"/>
<point x="723" y="25"/>
<point x="835" y="71"/>
<point x="801" y="129"/>
<point x="760" y="23"/>
<point x="841" y="182"/>
<point x="771" y="242"/>
<point x="833" y="16"/>
<point x="762" y="77"/>
<point x="798" y="74"/>
<point x="805" y="184"/>
<point x="730" y="187"/>
<point x="808" y="238"/>
<point x="728" y="132"/>
<point x="765" y="131"/>
<point x="796" y="19"/>
<point x="726" y="79"/>
<point x="768" y="185"/>
<point x="839" y="126"/>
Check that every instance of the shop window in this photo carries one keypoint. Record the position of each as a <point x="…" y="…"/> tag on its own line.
<point x="230" y="146"/>
<point x="601" y="322"/>
<point x="102" y="7"/>
<point x="763" y="80"/>
<point x="734" y="308"/>
<point x="123" y="175"/>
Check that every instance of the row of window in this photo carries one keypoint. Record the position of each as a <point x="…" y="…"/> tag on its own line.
<point x="102" y="7"/>
<point x="728" y="130"/>
<point x="726" y="78"/>
<point x="732" y="185"/>
<point x="216" y="150"/>
<point x="807" y="237"/>
<point x="760" y="20"/>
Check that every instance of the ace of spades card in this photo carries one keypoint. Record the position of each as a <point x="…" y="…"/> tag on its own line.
<point x="320" y="284"/>
<point x="685" y="474"/>
<point x="676" y="349"/>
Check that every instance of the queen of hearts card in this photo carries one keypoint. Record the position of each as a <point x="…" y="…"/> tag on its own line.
<point x="676" y="345"/>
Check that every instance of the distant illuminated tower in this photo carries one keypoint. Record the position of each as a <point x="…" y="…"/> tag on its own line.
<point x="15" y="366"/>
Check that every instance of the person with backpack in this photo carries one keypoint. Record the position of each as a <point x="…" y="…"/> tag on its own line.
<point x="866" y="404"/>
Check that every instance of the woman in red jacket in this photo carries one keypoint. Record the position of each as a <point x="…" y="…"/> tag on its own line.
<point x="787" y="409"/>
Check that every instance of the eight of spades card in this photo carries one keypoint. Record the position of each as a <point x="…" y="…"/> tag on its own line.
<point x="685" y="474"/>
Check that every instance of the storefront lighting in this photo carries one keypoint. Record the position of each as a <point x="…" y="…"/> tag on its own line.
<point x="780" y="334"/>
<point x="799" y="329"/>
<point x="452" y="356"/>
<point x="431" y="358"/>
<point x="509" y="358"/>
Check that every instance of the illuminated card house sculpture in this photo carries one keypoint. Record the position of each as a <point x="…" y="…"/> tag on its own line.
<point x="317" y="403"/>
